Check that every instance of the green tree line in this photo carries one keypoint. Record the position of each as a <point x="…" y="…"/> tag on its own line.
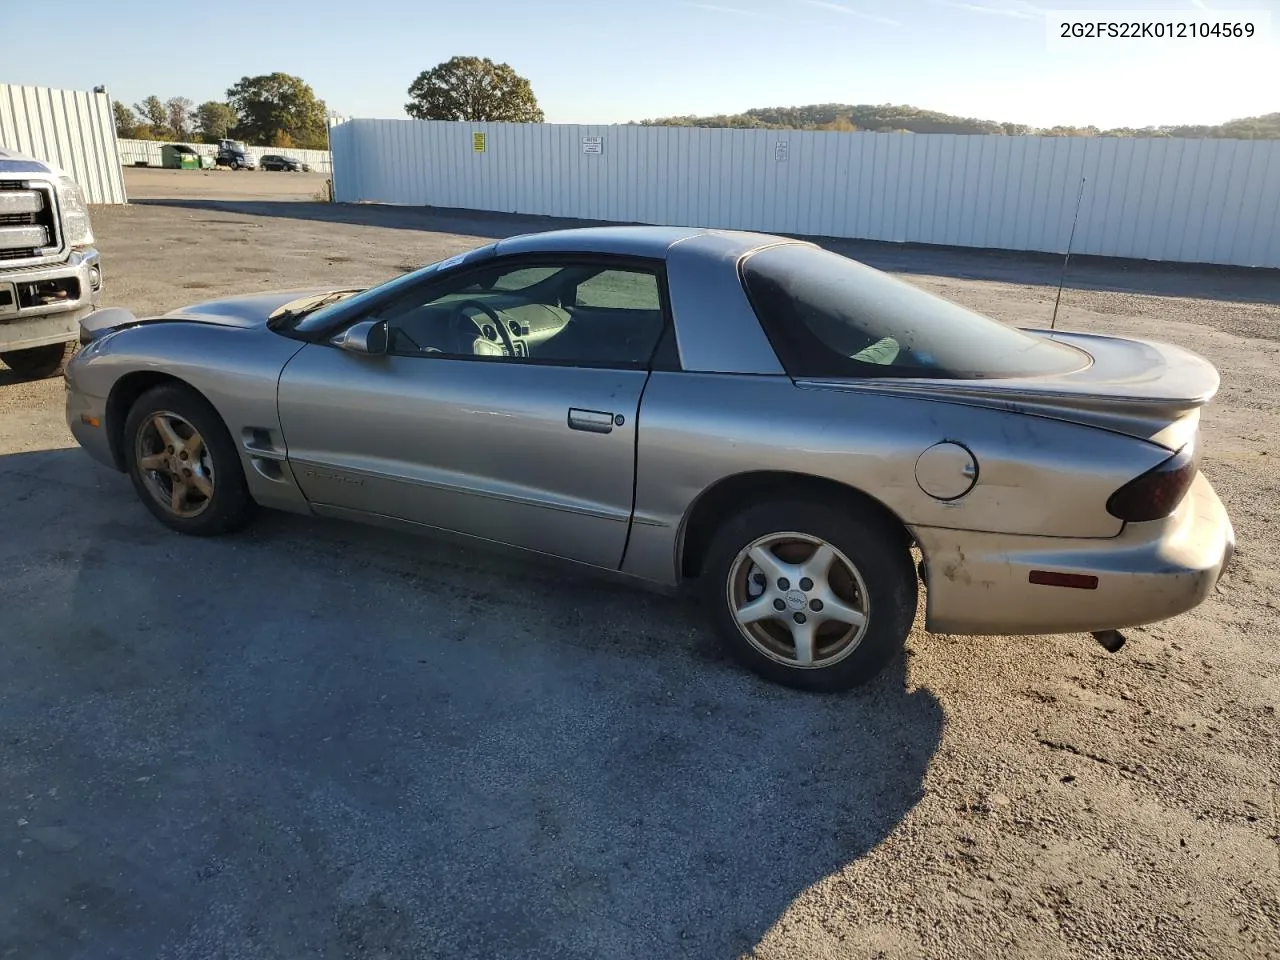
<point x="273" y="110"/>
<point x="280" y="110"/>
<point x="893" y="118"/>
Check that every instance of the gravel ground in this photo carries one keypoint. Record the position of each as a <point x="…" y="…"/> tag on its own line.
<point x="222" y="183"/>
<point x="315" y="739"/>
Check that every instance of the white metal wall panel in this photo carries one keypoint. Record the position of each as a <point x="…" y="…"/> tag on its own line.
<point x="133" y="152"/>
<point x="72" y="129"/>
<point x="1208" y="201"/>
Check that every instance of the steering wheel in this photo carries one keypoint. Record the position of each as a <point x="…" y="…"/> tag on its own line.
<point x="508" y="347"/>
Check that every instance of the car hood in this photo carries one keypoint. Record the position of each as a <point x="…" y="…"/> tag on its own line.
<point x="247" y="312"/>
<point x="251" y="310"/>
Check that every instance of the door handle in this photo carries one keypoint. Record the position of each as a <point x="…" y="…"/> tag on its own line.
<point x="592" y="421"/>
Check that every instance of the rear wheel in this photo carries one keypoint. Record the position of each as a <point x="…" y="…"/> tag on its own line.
<point x="811" y="595"/>
<point x="39" y="362"/>
<point x="184" y="464"/>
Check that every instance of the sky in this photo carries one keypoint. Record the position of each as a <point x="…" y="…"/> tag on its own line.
<point x="610" y="61"/>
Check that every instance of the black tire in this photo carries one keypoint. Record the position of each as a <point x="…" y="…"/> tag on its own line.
<point x="37" y="363"/>
<point x="879" y="553"/>
<point x="230" y="506"/>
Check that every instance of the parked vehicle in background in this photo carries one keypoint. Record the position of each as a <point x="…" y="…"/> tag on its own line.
<point x="275" y="161"/>
<point x="233" y="154"/>
<point x="179" y="156"/>
<point x="49" y="273"/>
<point x="763" y="419"/>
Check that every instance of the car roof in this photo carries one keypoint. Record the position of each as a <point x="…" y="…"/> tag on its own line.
<point x="636" y="241"/>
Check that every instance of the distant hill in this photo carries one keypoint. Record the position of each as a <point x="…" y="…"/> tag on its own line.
<point x="890" y="118"/>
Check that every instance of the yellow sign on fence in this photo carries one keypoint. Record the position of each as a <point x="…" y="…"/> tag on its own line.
<point x="477" y="142"/>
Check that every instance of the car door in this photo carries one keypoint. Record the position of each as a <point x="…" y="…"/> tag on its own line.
<point x="501" y="410"/>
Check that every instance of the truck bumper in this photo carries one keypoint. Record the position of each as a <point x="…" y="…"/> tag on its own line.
<point x="44" y="305"/>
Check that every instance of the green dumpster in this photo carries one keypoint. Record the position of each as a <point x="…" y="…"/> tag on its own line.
<point x="178" y="156"/>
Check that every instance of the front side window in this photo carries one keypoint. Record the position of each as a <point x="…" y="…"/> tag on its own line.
<point x="829" y="316"/>
<point x="576" y="313"/>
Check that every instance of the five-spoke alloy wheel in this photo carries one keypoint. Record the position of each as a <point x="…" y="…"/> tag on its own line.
<point x="184" y="465"/>
<point x="175" y="464"/>
<point x="798" y="600"/>
<point x="814" y="595"/>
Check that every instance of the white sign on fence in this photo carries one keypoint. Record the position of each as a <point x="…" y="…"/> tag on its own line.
<point x="593" y="144"/>
<point x="780" y="150"/>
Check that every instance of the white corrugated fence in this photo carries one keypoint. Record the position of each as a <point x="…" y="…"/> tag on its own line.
<point x="70" y="128"/>
<point x="148" y="151"/>
<point x="1207" y="201"/>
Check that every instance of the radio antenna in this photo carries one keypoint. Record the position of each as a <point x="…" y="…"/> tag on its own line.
<point x="1067" y="259"/>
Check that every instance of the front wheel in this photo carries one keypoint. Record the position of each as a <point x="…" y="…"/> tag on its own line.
<point x="38" y="363"/>
<point x="184" y="464"/>
<point x="811" y="595"/>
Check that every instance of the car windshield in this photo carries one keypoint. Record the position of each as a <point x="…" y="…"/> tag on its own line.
<point x="319" y="319"/>
<point x="829" y="316"/>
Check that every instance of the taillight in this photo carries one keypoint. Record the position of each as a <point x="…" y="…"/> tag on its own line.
<point x="1157" y="493"/>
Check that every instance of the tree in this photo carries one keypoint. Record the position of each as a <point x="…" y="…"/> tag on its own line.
<point x="126" y="122"/>
<point x="840" y="124"/>
<point x="277" y="103"/>
<point x="471" y="88"/>
<point x="888" y="118"/>
<point x="214" y="121"/>
<point x="1061" y="131"/>
<point x="154" y="115"/>
<point x="178" y="112"/>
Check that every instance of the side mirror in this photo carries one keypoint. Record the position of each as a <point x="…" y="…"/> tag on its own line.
<point x="368" y="337"/>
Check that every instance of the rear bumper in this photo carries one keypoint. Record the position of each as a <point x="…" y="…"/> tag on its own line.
<point x="26" y="322"/>
<point x="979" y="583"/>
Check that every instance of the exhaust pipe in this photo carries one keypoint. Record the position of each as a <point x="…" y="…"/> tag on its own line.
<point x="1110" y="640"/>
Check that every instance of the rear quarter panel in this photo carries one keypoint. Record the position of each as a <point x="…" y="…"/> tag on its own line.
<point x="1036" y="476"/>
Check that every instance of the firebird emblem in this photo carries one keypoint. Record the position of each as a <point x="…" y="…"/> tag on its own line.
<point x="322" y="475"/>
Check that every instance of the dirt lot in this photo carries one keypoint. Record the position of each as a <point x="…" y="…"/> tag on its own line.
<point x="145" y="183"/>
<point x="320" y="740"/>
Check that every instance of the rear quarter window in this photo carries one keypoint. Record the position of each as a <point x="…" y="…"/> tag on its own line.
<point x="829" y="316"/>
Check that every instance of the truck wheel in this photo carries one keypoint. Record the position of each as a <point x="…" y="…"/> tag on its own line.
<point x="37" y="363"/>
<point x="811" y="595"/>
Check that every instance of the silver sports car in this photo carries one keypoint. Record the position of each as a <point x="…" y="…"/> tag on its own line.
<point x="752" y="415"/>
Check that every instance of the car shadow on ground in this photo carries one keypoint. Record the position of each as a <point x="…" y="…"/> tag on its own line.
<point x="323" y="738"/>
<point x="1104" y="274"/>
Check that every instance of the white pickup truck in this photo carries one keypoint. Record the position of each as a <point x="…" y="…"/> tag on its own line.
<point x="49" y="272"/>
